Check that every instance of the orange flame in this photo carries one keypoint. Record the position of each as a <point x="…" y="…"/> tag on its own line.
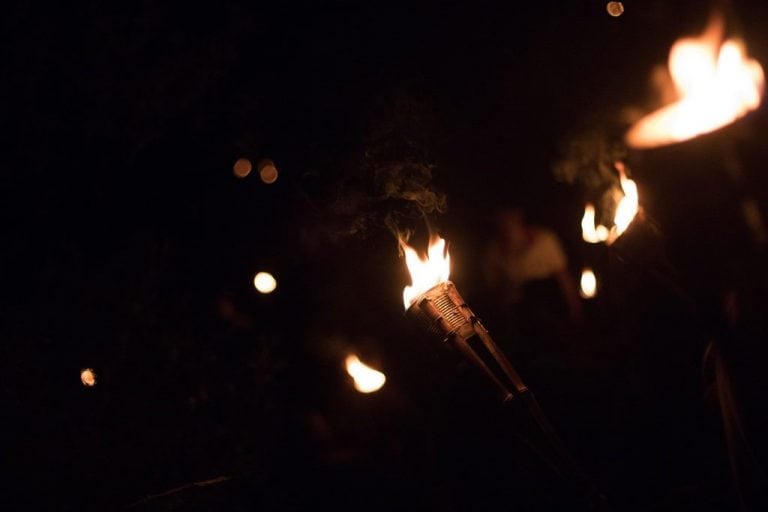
<point x="716" y="83"/>
<point x="426" y="272"/>
<point x="626" y="210"/>
<point x="367" y="380"/>
<point x="627" y="207"/>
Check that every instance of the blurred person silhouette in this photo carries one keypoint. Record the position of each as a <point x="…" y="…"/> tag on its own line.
<point x="526" y="269"/>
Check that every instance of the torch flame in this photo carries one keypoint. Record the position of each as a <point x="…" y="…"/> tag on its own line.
<point x="367" y="380"/>
<point x="589" y="232"/>
<point x="588" y="283"/>
<point x="716" y="83"/>
<point x="626" y="209"/>
<point x="426" y="272"/>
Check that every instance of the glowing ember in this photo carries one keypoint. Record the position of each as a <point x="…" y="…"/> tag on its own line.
<point x="264" y="282"/>
<point x="88" y="377"/>
<point x="367" y="380"/>
<point x="716" y="83"/>
<point x="626" y="210"/>
<point x="426" y="272"/>
<point x="588" y="283"/>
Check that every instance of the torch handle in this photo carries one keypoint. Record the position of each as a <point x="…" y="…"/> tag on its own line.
<point x="570" y="469"/>
<point x="501" y="360"/>
<point x="464" y="346"/>
<point x="443" y="310"/>
<point x="489" y="357"/>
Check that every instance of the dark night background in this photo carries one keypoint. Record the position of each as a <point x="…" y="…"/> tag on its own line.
<point x="130" y="247"/>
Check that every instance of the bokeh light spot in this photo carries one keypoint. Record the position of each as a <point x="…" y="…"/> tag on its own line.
<point x="264" y="282"/>
<point x="615" y="9"/>
<point x="267" y="171"/>
<point x="242" y="168"/>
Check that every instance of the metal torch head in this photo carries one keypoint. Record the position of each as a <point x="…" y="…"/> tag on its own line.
<point x="443" y="311"/>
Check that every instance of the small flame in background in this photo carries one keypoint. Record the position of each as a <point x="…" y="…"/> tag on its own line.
<point x="626" y="210"/>
<point x="716" y="83"/>
<point x="589" y="232"/>
<point x="88" y="377"/>
<point x="426" y="272"/>
<point x="367" y="380"/>
<point x="588" y="283"/>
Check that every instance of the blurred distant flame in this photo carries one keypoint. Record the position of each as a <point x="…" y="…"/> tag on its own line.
<point x="88" y="377"/>
<point x="426" y="272"/>
<point x="588" y="283"/>
<point x="589" y="232"/>
<point x="626" y="210"/>
<point x="367" y="380"/>
<point x="716" y="83"/>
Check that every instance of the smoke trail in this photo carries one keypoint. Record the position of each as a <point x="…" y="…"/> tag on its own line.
<point x="388" y="181"/>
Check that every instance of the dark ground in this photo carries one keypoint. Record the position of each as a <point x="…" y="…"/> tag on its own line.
<point x="130" y="247"/>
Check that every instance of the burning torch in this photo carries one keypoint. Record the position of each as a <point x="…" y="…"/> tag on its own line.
<point x="433" y="301"/>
